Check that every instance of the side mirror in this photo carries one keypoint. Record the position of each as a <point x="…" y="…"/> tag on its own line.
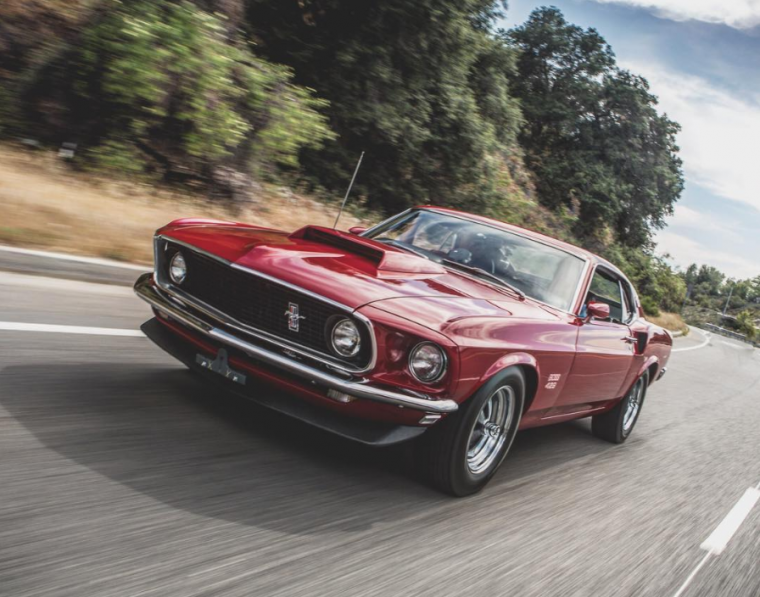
<point x="598" y="310"/>
<point x="357" y="230"/>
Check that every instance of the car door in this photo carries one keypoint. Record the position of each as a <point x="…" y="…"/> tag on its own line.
<point x="605" y="349"/>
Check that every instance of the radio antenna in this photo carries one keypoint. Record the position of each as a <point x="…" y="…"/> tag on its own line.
<point x="351" y="184"/>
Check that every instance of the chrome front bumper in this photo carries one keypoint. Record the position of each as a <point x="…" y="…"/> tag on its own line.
<point x="146" y="290"/>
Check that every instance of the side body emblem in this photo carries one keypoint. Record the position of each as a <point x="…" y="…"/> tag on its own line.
<point x="553" y="380"/>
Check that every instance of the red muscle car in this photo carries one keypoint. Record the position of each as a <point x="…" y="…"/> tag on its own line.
<point x="434" y="323"/>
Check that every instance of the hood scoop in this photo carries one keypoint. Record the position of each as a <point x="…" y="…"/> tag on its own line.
<point x="387" y="260"/>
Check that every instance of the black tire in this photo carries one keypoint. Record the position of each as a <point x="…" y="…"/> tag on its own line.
<point x="610" y="426"/>
<point x="443" y="450"/>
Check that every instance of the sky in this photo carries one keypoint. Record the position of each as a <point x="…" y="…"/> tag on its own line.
<point x="702" y="61"/>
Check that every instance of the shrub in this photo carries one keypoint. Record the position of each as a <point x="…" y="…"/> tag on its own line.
<point x="650" y="306"/>
<point x="746" y="324"/>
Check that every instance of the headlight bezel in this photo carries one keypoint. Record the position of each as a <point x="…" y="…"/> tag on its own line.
<point x="443" y="366"/>
<point x="178" y="280"/>
<point x="333" y="325"/>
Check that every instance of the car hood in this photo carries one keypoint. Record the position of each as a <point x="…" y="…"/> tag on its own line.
<point x="354" y="271"/>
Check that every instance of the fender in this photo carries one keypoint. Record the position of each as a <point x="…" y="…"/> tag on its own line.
<point x="509" y="360"/>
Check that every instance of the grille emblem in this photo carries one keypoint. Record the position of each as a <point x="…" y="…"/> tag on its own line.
<point x="293" y="317"/>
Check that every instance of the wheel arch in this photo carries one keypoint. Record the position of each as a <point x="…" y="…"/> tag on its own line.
<point x="650" y="366"/>
<point x="652" y="370"/>
<point x="527" y="365"/>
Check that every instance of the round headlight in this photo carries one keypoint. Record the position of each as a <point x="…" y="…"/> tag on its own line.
<point x="345" y="338"/>
<point x="178" y="269"/>
<point x="427" y="362"/>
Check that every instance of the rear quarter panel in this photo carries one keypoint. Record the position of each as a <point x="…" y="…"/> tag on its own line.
<point x="658" y="350"/>
<point x="657" y="343"/>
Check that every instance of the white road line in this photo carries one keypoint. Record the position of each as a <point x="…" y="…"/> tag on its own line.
<point x="722" y="534"/>
<point x="705" y="335"/>
<point x="691" y="576"/>
<point x="77" y="258"/>
<point x="12" y="326"/>
<point x="719" y="538"/>
<point x="62" y="285"/>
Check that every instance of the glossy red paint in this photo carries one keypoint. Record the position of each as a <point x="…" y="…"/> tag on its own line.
<point x="575" y="365"/>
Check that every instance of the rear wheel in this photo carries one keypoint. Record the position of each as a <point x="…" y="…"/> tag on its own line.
<point x="463" y="452"/>
<point x="617" y="424"/>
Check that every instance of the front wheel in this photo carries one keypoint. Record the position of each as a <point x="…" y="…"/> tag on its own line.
<point x="463" y="452"/>
<point x="616" y="425"/>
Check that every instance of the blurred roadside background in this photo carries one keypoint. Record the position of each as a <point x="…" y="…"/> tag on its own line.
<point x="119" y="116"/>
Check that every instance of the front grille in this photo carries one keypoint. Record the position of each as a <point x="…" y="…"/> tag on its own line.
<point x="259" y="303"/>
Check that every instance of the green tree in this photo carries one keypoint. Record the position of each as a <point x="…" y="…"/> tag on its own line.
<point x="746" y="324"/>
<point x="29" y="31"/>
<point x="710" y="280"/>
<point x="421" y="86"/>
<point x="690" y="275"/>
<point x="592" y="133"/>
<point x="658" y="284"/>
<point x="167" y="84"/>
<point x="754" y="294"/>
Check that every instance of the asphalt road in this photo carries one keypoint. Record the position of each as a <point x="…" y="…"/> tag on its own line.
<point x="122" y="475"/>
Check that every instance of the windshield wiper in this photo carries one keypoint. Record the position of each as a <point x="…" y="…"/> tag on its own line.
<point x="485" y="274"/>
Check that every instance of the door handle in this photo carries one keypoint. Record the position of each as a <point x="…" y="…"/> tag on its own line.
<point x="631" y="339"/>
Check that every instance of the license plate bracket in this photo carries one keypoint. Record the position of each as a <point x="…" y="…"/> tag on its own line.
<point x="221" y="366"/>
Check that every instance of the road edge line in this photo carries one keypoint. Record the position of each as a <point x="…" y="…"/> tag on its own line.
<point x="719" y="538"/>
<point x="705" y="335"/>
<point x="723" y="533"/>
<point x="18" y="326"/>
<point x="75" y="258"/>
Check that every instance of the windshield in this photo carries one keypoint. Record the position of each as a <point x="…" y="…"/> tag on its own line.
<point x="540" y="271"/>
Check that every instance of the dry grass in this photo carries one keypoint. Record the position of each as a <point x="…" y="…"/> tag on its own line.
<point x="45" y="205"/>
<point x="670" y="321"/>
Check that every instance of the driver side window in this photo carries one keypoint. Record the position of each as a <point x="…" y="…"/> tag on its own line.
<point x="606" y="289"/>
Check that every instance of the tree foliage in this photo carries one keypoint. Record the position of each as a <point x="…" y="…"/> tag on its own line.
<point x="712" y="293"/>
<point x="656" y="281"/>
<point x="165" y="82"/>
<point x="592" y="133"/>
<point x="448" y="111"/>
<point x="745" y="323"/>
<point x="421" y="86"/>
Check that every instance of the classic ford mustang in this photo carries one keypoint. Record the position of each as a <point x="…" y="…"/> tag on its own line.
<point x="434" y="323"/>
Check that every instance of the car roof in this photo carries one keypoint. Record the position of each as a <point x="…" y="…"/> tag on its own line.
<point x="565" y="246"/>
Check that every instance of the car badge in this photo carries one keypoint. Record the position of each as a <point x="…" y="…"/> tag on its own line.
<point x="293" y="317"/>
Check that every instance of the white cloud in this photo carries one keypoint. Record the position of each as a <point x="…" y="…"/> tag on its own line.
<point x="687" y="217"/>
<point x="740" y="14"/>
<point x="686" y="251"/>
<point x="720" y="135"/>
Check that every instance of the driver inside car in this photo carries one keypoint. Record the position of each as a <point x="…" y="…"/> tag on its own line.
<point x="490" y="253"/>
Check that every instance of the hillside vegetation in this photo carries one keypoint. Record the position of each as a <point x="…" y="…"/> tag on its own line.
<point x="227" y="99"/>
<point x="47" y="206"/>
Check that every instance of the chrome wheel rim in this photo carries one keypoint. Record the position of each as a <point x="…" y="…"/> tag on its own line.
<point x="633" y="406"/>
<point x="489" y="433"/>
